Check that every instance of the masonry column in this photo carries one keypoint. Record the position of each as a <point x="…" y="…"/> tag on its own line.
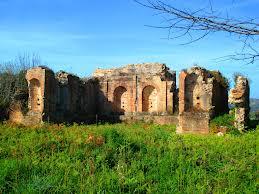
<point x="182" y="77"/>
<point x="239" y="96"/>
<point x="135" y="93"/>
<point x="170" y="96"/>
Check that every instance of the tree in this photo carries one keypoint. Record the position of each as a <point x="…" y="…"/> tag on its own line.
<point x="12" y="81"/>
<point x="197" y="24"/>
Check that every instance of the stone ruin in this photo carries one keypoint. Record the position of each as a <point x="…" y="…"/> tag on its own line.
<point x="58" y="98"/>
<point x="138" y="92"/>
<point x="239" y="96"/>
<point x="203" y="94"/>
<point x="134" y="92"/>
<point x="141" y="92"/>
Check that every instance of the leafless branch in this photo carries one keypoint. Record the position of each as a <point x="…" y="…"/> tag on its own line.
<point x="200" y="23"/>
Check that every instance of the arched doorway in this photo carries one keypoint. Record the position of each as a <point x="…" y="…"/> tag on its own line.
<point x="35" y="95"/>
<point x="149" y="99"/>
<point x="120" y="99"/>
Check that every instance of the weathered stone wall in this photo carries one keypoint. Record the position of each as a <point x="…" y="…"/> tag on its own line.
<point x="147" y="118"/>
<point x="201" y="97"/>
<point x="137" y="88"/>
<point x="239" y="96"/>
<point x="60" y="98"/>
<point x="36" y="78"/>
<point x="219" y="99"/>
<point x="193" y="122"/>
<point x="141" y="88"/>
<point x="141" y="92"/>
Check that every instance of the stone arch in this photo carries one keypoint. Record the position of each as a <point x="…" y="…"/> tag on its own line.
<point x="149" y="99"/>
<point x="35" y="95"/>
<point x="121" y="99"/>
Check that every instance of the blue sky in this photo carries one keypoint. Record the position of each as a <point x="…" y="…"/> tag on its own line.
<point x="81" y="35"/>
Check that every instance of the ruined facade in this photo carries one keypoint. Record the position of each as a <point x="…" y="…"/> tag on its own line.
<point x="137" y="89"/>
<point x="202" y="95"/>
<point x="134" y="90"/>
<point x="239" y="96"/>
<point x="61" y="97"/>
<point x="141" y="92"/>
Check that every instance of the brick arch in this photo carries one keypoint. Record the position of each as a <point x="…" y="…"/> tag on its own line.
<point x="149" y="99"/>
<point x="150" y="83"/>
<point x="35" y="95"/>
<point x="121" y="99"/>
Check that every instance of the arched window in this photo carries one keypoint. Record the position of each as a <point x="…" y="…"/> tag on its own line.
<point x="35" y="95"/>
<point x="120" y="99"/>
<point x="149" y="99"/>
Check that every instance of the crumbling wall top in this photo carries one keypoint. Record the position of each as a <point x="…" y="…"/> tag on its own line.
<point x="39" y="68"/>
<point x="238" y="94"/>
<point x="92" y="80"/>
<point x="208" y="75"/>
<point x="63" y="77"/>
<point x="147" y="69"/>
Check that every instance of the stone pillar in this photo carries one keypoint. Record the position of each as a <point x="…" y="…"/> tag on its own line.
<point x="170" y="98"/>
<point x="36" y="78"/>
<point x="239" y="96"/>
<point x="42" y="94"/>
<point x="182" y="77"/>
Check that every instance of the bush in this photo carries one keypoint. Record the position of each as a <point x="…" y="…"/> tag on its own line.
<point x="223" y="81"/>
<point x="223" y="123"/>
<point x="13" y="83"/>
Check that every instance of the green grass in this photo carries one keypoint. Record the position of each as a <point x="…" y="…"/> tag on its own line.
<point x="120" y="158"/>
<point x="226" y="120"/>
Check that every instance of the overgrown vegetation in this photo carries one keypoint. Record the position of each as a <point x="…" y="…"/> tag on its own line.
<point x="223" y="123"/>
<point x="223" y="81"/>
<point x="254" y="105"/>
<point x="12" y="81"/>
<point x="137" y="158"/>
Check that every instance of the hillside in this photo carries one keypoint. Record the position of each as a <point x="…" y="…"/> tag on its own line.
<point x="254" y="104"/>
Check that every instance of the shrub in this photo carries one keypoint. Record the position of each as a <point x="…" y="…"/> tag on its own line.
<point x="13" y="84"/>
<point x="223" y="81"/>
<point x="223" y="123"/>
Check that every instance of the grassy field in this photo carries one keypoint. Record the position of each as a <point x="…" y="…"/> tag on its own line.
<point x="120" y="158"/>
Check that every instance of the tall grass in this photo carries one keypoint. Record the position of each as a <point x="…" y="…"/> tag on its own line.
<point x="120" y="158"/>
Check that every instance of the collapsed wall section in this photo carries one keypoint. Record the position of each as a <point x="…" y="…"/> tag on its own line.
<point x="59" y="98"/>
<point x="202" y="96"/>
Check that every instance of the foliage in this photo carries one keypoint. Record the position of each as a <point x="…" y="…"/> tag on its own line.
<point x="223" y="122"/>
<point x="12" y="80"/>
<point x="137" y="158"/>
<point x="223" y="81"/>
<point x="254" y="105"/>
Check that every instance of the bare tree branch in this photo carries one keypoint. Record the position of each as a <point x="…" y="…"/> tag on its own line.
<point x="200" y="23"/>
